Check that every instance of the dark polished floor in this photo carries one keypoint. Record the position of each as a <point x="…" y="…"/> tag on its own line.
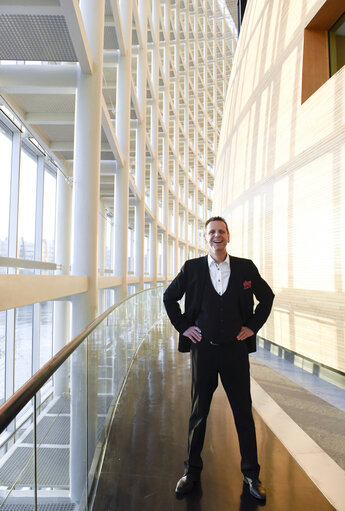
<point x="147" y="446"/>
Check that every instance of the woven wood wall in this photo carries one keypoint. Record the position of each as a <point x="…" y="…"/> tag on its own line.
<point x="280" y="178"/>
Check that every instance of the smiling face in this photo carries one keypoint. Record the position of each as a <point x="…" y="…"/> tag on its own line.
<point x="217" y="237"/>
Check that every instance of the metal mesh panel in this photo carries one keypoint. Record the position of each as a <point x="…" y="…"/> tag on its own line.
<point x="105" y="386"/>
<point x="103" y="403"/>
<point x="105" y="372"/>
<point x="35" y="37"/>
<point x="53" y="467"/>
<point x="100" y="427"/>
<point x="62" y="405"/>
<point x="51" y="103"/>
<point x="52" y="506"/>
<point x="51" y="430"/>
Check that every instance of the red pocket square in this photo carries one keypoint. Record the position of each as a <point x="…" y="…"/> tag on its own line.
<point x="247" y="284"/>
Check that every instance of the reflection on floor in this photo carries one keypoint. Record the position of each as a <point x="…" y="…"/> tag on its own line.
<point x="147" y="446"/>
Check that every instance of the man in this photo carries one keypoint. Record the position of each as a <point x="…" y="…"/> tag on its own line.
<point x="219" y="328"/>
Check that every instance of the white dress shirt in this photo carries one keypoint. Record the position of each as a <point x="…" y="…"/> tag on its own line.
<point x="219" y="273"/>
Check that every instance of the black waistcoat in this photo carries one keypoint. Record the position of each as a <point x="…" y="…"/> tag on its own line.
<point x="219" y="317"/>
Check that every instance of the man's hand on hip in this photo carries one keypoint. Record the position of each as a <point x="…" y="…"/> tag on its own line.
<point x="193" y="333"/>
<point x="245" y="332"/>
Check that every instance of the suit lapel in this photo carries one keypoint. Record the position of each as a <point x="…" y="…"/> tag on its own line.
<point x="201" y="279"/>
<point x="236" y="274"/>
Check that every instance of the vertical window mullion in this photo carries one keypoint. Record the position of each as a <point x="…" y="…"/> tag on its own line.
<point x="9" y="360"/>
<point x="12" y="252"/>
<point x="36" y="321"/>
<point x="39" y="208"/>
<point x="14" y="199"/>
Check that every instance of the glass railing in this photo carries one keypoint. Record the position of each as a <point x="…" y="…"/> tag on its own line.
<point x="52" y="455"/>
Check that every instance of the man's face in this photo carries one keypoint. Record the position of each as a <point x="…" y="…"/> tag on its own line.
<point x="217" y="238"/>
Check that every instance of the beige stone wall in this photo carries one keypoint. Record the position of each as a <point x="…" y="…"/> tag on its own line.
<point x="280" y="179"/>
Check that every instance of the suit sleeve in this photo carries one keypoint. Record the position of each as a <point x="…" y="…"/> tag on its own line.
<point x="171" y="297"/>
<point x="264" y="295"/>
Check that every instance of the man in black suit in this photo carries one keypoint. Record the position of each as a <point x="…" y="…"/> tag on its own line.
<point x="219" y="328"/>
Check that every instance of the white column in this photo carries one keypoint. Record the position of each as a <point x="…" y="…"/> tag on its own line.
<point x="166" y="107"/>
<point x="12" y="252"/>
<point x="87" y="145"/>
<point x="36" y="320"/>
<point x="61" y="325"/>
<point x="123" y="132"/>
<point x="155" y="81"/>
<point x="141" y="147"/>
<point x="177" y="144"/>
<point x="102" y="237"/>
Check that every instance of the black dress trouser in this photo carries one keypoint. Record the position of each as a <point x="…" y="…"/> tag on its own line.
<point x="232" y="364"/>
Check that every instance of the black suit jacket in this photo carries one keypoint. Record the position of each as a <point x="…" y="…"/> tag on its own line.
<point x="190" y="282"/>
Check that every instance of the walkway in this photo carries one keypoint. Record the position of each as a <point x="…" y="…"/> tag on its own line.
<point x="147" y="446"/>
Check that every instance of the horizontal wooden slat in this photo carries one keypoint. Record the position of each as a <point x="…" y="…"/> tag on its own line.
<point x="20" y="290"/>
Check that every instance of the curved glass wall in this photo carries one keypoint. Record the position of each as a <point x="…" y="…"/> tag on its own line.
<point x="54" y="446"/>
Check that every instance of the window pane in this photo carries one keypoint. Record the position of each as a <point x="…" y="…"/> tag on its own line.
<point x="48" y="239"/>
<point x="46" y="332"/>
<point x="337" y="45"/>
<point x="23" y="346"/>
<point x="130" y="249"/>
<point x="27" y="205"/>
<point x="2" y="355"/>
<point x="108" y="243"/>
<point x="5" y="184"/>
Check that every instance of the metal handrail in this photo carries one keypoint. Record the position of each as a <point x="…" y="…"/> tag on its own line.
<point x="10" y="409"/>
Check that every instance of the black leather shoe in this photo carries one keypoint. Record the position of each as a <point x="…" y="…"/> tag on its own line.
<point x="255" y="488"/>
<point x="186" y="484"/>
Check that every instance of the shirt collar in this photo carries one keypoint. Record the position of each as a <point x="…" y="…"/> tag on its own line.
<point x="210" y="260"/>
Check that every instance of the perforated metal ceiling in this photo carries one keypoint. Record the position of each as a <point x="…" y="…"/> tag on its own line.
<point x="35" y="37"/>
<point x="51" y="103"/>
